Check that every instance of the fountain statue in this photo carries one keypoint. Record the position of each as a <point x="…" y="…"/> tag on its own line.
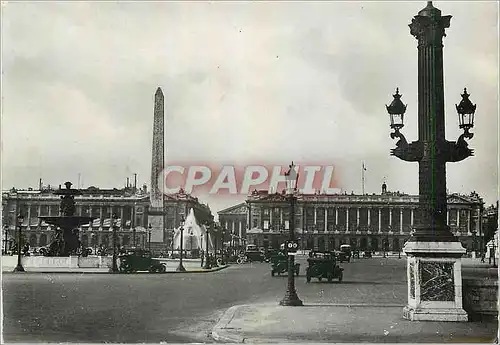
<point x="66" y="241"/>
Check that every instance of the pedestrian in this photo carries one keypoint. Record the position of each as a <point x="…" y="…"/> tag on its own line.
<point x="202" y="258"/>
<point x="483" y="254"/>
<point x="491" y="256"/>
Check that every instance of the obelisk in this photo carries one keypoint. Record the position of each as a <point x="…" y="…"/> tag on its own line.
<point x="156" y="211"/>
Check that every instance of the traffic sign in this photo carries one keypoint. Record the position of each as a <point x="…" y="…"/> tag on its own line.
<point x="291" y="246"/>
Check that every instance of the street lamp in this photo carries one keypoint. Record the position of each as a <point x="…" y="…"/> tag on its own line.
<point x="207" y="258"/>
<point x="5" y="234"/>
<point x="215" y="231"/>
<point x="150" y="229"/>
<point x="173" y="242"/>
<point x="432" y="244"/>
<point x="291" y="298"/>
<point x="181" y="268"/>
<point x="20" y="219"/>
<point x="114" y="268"/>
<point x="222" y="249"/>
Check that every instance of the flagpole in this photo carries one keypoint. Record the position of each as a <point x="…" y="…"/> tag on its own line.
<point x="363" y="178"/>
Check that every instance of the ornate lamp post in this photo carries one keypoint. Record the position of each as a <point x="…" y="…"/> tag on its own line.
<point x="207" y="257"/>
<point x="20" y="219"/>
<point x="291" y="298"/>
<point x="173" y="242"/>
<point x="433" y="251"/>
<point x="181" y="268"/>
<point x="223" y="238"/>
<point x="150" y="230"/>
<point x="5" y="234"/>
<point x="114" y="268"/>
<point x="214" y="241"/>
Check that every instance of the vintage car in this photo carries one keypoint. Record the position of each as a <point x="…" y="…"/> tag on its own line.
<point x="140" y="260"/>
<point x="252" y="253"/>
<point x="279" y="264"/>
<point x="345" y="253"/>
<point x="323" y="265"/>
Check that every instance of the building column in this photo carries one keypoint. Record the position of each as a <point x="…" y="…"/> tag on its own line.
<point x="357" y="217"/>
<point x="326" y="219"/>
<point x="369" y="216"/>
<point x="29" y="217"/>
<point x="401" y="220"/>
<point x="271" y="216"/>
<point x="468" y="222"/>
<point x="479" y="220"/>
<point x="448" y="216"/>
<point x="315" y="218"/>
<point x="249" y="216"/>
<point x="411" y="217"/>
<point x="379" y="219"/>
<point x="281" y="217"/>
<point x="240" y="232"/>
<point x="347" y="219"/>
<point x="390" y="218"/>
<point x="121" y="217"/>
<point x="336" y="216"/>
<point x="458" y="219"/>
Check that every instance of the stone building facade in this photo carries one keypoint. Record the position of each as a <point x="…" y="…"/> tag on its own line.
<point x="233" y="223"/>
<point x="367" y="222"/>
<point x="128" y="204"/>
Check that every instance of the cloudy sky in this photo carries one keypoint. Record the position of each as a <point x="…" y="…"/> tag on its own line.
<point x="260" y="82"/>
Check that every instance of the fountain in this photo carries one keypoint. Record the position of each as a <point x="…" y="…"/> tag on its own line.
<point x="193" y="236"/>
<point x="66" y="240"/>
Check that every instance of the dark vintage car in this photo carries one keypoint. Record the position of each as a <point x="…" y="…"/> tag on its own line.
<point x="345" y="253"/>
<point x="140" y="260"/>
<point x="323" y="265"/>
<point x="254" y="255"/>
<point x="279" y="264"/>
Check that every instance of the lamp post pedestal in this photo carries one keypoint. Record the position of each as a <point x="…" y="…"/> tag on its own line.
<point x="434" y="281"/>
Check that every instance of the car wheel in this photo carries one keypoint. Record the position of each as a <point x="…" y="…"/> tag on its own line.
<point x="162" y="269"/>
<point x="320" y="278"/>
<point x="272" y="273"/>
<point x="308" y="279"/>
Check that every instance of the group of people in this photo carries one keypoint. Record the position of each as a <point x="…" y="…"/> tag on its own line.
<point x="211" y="259"/>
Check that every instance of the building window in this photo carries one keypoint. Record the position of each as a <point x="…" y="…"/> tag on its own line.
<point x="266" y="224"/>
